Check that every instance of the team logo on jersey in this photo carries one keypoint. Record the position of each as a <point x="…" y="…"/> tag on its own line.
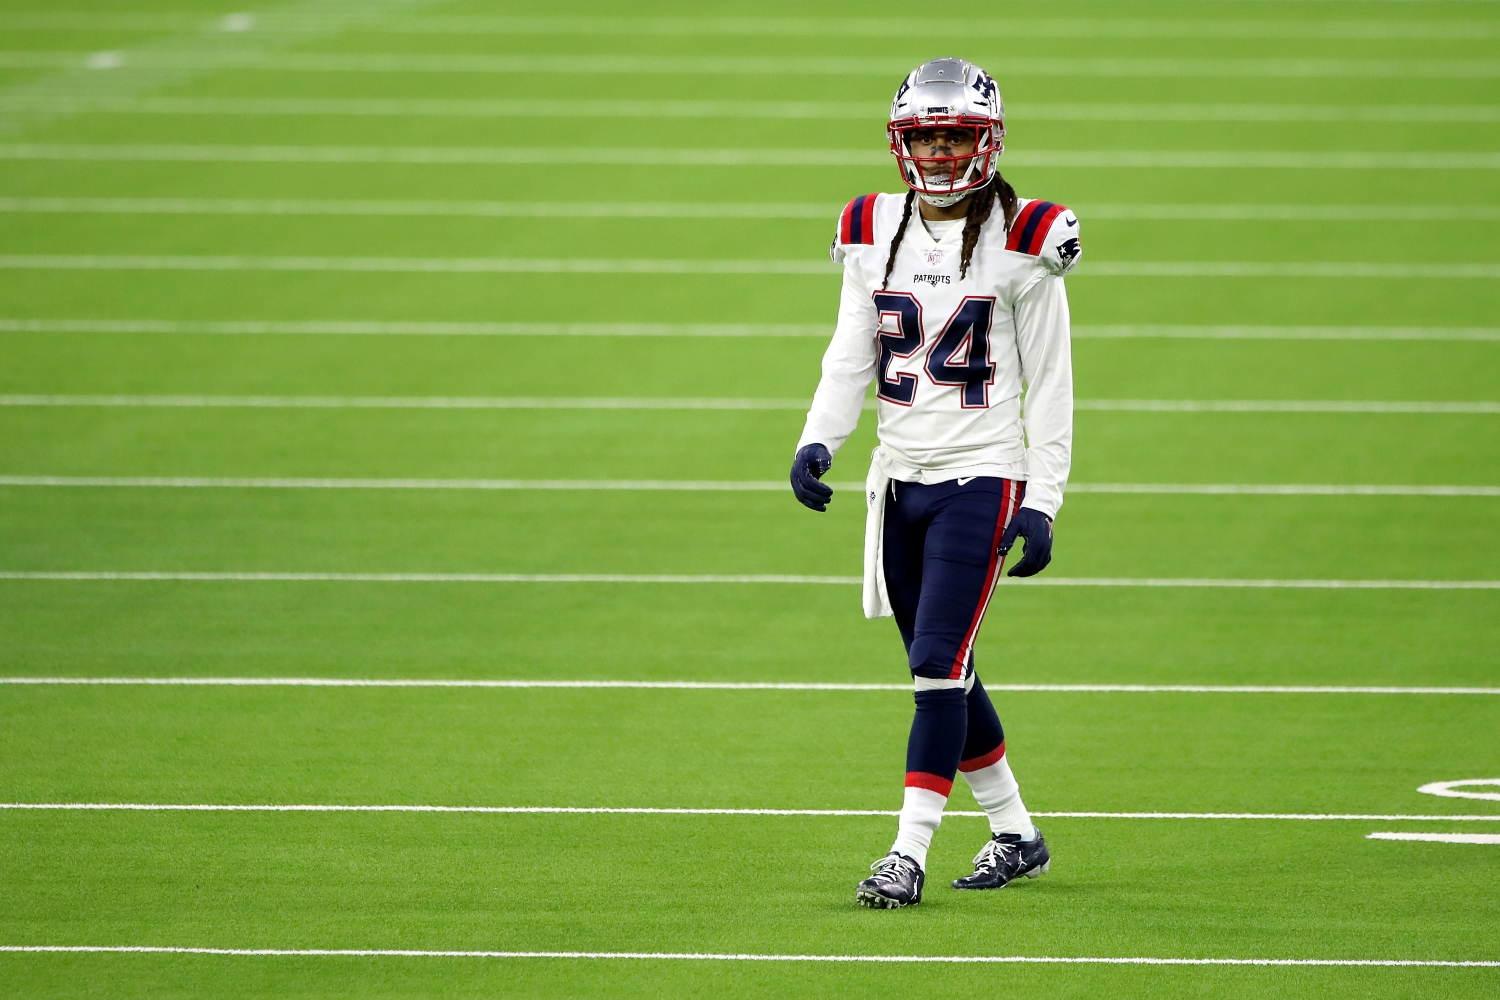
<point x="932" y="279"/>
<point x="933" y="257"/>
<point x="1068" y="249"/>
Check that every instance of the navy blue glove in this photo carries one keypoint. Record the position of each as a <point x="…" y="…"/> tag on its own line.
<point x="807" y="468"/>
<point x="1036" y="528"/>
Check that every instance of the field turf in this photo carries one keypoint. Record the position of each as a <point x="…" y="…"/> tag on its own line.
<point x="311" y="130"/>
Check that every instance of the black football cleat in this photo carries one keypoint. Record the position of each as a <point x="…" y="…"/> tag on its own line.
<point x="897" y="882"/>
<point x="1004" y="859"/>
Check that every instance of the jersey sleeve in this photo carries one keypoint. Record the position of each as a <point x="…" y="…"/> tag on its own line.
<point x="849" y="362"/>
<point x="1048" y="232"/>
<point x="1043" y="338"/>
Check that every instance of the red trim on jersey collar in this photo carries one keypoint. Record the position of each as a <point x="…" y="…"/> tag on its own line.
<point x="857" y="222"/>
<point x="1028" y="234"/>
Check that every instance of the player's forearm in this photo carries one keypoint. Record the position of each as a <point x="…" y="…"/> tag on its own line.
<point x="848" y="368"/>
<point x="1042" y="325"/>
<point x="834" y="413"/>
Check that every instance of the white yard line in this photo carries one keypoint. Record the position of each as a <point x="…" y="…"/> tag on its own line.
<point x="435" y="265"/>
<point x="1440" y="838"/>
<point x="813" y="267"/>
<point x="724" y="403"/>
<point x="251" y="577"/>
<point x="446" y="329"/>
<point x="710" y="210"/>
<point x="585" y="156"/>
<point x="709" y="486"/>
<point x="1229" y="332"/>
<point x="1188" y="211"/>
<point x="779" y="110"/>
<point x="728" y="957"/>
<point x="749" y="578"/>
<point x="648" y="811"/>
<point x="1009" y="28"/>
<point x="1285" y="406"/>
<point x="411" y="402"/>
<point x="476" y="209"/>
<point x="1276" y="269"/>
<point x="362" y="682"/>
<point x="611" y="65"/>
<point x="818" y="330"/>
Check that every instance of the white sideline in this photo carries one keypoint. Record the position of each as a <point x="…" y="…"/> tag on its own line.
<point x="642" y="265"/>
<point x="1440" y="838"/>
<point x="726" y="403"/>
<point x="646" y="811"/>
<point x="359" y="682"/>
<point x="692" y="485"/>
<point x="1055" y="581"/>
<point x="490" y="108"/>
<point x="397" y="62"/>
<point x="709" y="210"/>
<point x="552" y="157"/>
<point x="726" y="957"/>
<point x="819" y="330"/>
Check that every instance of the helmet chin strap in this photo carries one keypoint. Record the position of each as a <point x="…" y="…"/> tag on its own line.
<point x="943" y="200"/>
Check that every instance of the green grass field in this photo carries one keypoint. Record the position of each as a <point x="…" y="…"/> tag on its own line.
<point x="182" y="191"/>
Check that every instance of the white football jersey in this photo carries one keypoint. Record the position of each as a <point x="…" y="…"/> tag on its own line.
<point x="948" y="354"/>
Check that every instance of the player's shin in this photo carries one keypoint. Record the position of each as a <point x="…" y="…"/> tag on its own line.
<point x="932" y="756"/>
<point x="987" y="771"/>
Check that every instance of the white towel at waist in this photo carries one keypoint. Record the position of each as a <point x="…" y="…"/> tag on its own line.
<point x="877" y="484"/>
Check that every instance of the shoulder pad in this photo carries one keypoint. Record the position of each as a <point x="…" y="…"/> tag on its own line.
<point x="1048" y="232"/>
<point x="857" y="221"/>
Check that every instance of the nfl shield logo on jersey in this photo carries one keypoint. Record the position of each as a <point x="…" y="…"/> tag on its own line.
<point x="934" y="257"/>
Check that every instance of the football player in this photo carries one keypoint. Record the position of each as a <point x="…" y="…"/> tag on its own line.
<point x="952" y="301"/>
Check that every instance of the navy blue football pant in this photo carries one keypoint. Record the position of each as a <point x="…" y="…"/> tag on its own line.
<point x="942" y="561"/>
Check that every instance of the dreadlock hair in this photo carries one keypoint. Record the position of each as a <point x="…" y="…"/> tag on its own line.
<point x="981" y="204"/>
<point x="890" y="260"/>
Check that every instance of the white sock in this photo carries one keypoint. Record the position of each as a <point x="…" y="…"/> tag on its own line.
<point x="997" y="793"/>
<point x="921" y="812"/>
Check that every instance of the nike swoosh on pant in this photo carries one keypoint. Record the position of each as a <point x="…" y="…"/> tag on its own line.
<point x="969" y="480"/>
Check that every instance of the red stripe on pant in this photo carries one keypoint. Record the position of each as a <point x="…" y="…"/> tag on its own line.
<point x="983" y="760"/>
<point x="1010" y="500"/>
<point x="932" y="782"/>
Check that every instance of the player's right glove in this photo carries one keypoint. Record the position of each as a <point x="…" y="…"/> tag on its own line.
<point x="1036" y="528"/>
<point x="807" y="468"/>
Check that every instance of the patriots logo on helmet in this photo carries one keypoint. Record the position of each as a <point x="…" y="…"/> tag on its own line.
<point x="985" y="85"/>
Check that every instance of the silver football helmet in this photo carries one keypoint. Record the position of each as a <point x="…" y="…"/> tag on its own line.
<point x="947" y="93"/>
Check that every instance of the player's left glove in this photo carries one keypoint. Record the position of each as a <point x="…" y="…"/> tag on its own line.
<point x="1036" y="528"/>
